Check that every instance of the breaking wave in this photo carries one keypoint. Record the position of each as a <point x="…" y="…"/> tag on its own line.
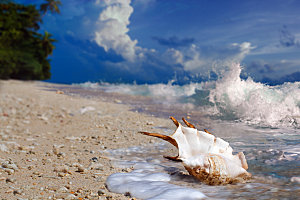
<point x="228" y="98"/>
<point x="256" y="103"/>
<point x="165" y="93"/>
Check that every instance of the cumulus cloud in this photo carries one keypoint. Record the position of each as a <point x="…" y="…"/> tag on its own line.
<point x="212" y="58"/>
<point x="182" y="54"/>
<point x="194" y="62"/>
<point x="191" y="59"/>
<point x="112" y="28"/>
<point x="173" y="56"/>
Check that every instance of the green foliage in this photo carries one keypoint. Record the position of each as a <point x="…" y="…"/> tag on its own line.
<point x="52" y="5"/>
<point x="23" y="50"/>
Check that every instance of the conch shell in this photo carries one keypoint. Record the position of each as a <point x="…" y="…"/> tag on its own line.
<point x="206" y="157"/>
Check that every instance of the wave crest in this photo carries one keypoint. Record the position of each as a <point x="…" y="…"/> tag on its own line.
<point x="228" y="98"/>
<point x="256" y="103"/>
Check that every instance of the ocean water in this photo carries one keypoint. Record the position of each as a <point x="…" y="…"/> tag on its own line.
<point x="260" y="120"/>
<point x="230" y="98"/>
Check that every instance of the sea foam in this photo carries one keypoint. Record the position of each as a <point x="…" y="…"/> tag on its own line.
<point x="228" y="98"/>
<point x="150" y="186"/>
<point x="257" y="103"/>
<point x="150" y="178"/>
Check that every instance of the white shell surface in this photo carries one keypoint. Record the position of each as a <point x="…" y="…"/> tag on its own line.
<point x="201" y="150"/>
<point x="192" y="142"/>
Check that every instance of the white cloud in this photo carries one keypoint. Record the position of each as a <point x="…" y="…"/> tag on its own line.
<point x="112" y="33"/>
<point x="189" y="58"/>
<point x="240" y="51"/>
<point x="215" y="58"/>
<point x="193" y="60"/>
<point x="112" y="30"/>
<point x="173" y="56"/>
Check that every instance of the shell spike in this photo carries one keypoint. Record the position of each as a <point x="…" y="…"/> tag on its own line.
<point x="243" y="160"/>
<point x="175" y="158"/>
<point x="175" y="121"/>
<point x="164" y="137"/>
<point x="188" y="124"/>
<point x="207" y="131"/>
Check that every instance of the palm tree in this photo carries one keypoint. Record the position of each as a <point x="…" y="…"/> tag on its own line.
<point x="47" y="45"/>
<point x="52" y="5"/>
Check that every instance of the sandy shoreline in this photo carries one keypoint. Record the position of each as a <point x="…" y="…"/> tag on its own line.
<point x="51" y="143"/>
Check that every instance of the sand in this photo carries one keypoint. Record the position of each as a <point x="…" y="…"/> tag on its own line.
<point x="52" y="146"/>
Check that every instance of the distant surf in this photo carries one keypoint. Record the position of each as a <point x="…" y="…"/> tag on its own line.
<point x="228" y="98"/>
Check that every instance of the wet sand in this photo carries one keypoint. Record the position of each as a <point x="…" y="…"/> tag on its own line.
<point x="52" y="145"/>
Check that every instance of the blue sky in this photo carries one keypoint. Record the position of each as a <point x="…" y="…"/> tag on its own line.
<point x="150" y="41"/>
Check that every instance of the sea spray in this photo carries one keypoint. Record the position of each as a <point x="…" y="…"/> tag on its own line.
<point x="228" y="98"/>
<point x="256" y="103"/>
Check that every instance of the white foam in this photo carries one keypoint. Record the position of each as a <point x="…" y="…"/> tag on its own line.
<point x="246" y="100"/>
<point x="89" y="84"/>
<point x="257" y="103"/>
<point x="152" y="186"/>
<point x="168" y="92"/>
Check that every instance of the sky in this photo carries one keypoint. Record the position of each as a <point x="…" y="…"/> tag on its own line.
<point x="154" y="41"/>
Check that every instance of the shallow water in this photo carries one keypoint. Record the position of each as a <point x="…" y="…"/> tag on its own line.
<point x="273" y="157"/>
<point x="273" y="154"/>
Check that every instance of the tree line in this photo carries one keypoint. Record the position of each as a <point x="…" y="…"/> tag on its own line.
<point x="24" y="50"/>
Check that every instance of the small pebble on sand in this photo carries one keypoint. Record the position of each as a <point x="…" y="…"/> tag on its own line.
<point x="295" y="179"/>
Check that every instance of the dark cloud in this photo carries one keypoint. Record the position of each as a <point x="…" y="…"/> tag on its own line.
<point x="260" y="68"/>
<point x="287" y="39"/>
<point x="76" y="61"/>
<point x="271" y="73"/>
<point x="174" y="41"/>
<point x="293" y="77"/>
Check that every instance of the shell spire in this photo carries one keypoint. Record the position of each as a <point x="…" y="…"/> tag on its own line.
<point x="204" y="156"/>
